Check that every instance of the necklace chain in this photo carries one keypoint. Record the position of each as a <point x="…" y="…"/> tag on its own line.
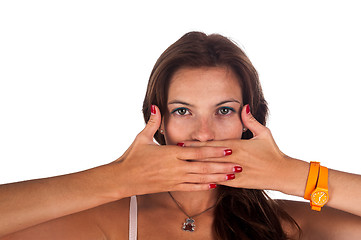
<point x="180" y="207"/>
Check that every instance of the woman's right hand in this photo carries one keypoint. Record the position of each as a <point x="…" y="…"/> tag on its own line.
<point x="148" y="168"/>
<point x="144" y="168"/>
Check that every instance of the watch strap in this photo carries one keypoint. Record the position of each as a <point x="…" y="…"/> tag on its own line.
<point x="312" y="179"/>
<point x="322" y="186"/>
<point x="323" y="178"/>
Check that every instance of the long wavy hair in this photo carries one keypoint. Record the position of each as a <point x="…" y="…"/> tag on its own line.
<point x="239" y="213"/>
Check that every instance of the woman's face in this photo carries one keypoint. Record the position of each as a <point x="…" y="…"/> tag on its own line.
<point x="204" y="104"/>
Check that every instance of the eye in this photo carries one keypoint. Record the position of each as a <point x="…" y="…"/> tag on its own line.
<point x="225" y="110"/>
<point x="181" y="111"/>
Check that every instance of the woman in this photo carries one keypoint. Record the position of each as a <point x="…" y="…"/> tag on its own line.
<point x="205" y="107"/>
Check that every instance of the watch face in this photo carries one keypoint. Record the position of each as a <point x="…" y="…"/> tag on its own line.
<point x="319" y="198"/>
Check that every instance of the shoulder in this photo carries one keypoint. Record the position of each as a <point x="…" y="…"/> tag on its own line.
<point x="101" y="222"/>
<point x="329" y="223"/>
<point x="113" y="218"/>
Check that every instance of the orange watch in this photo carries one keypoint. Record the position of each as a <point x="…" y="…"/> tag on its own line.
<point x="319" y="196"/>
<point x="312" y="179"/>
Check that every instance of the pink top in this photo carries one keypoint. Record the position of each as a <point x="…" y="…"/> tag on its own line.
<point x="133" y="212"/>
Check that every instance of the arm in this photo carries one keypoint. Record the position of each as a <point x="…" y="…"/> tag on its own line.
<point x="266" y="167"/>
<point x="29" y="203"/>
<point x="345" y="191"/>
<point x="344" y="188"/>
<point x="329" y="224"/>
<point x="144" y="168"/>
<point x="95" y="223"/>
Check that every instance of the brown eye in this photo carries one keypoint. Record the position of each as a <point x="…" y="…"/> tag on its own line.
<point x="225" y="110"/>
<point x="180" y="111"/>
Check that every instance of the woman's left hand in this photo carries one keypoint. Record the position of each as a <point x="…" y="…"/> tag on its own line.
<point x="263" y="164"/>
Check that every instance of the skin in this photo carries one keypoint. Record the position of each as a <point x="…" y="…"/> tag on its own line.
<point x="94" y="204"/>
<point x="204" y="104"/>
<point x="201" y="114"/>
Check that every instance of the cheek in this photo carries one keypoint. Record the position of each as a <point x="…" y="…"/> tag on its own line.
<point x="230" y="129"/>
<point x="176" y="130"/>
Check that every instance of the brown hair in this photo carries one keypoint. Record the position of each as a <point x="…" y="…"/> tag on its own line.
<point x="240" y="213"/>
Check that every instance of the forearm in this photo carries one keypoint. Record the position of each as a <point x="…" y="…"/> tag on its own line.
<point x="294" y="174"/>
<point x="344" y="188"/>
<point x="344" y="191"/>
<point x="29" y="203"/>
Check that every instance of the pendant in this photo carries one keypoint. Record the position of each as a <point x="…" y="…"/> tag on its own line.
<point x="189" y="225"/>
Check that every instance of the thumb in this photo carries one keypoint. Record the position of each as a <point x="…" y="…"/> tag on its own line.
<point x="250" y="122"/>
<point x="153" y="124"/>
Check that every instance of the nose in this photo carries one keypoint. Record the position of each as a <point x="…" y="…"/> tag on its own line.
<point x="203" y="131"/>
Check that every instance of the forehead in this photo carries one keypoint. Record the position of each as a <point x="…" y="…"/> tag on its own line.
<point x="204" y="84"/>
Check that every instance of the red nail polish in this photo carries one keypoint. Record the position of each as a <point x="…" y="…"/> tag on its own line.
<point x="237" y="169"/>
<point x="248" y="110"/>
<point x="230" y="176"/>
<point x="152" y="109"/>
<point x="227" y="152"/>
<point x="212" y="185"/>
<point x="180" y="144"/>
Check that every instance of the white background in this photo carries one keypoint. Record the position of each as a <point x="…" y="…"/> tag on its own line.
<point x="73" y="76"/>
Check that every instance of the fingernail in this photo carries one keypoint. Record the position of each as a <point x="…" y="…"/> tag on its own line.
<point x="180" y="144"/>
<point x="152" y="109"/>
<point x="227" y="152"/>
<point x="237" y="169"/>
<point x="230" y="176"/>
<point x="248" y="110"/>
<point x="212" y="185"/>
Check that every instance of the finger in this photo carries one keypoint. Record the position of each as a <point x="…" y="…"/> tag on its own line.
<point x="209" y="178"/>
<point x="250" y="122"/>
<point x="202" y="153"/>
<point x="212" y="167"/>
<point x="153" y="124"/>
<point x="224" y="143"/>
<point x="194" y="187"/>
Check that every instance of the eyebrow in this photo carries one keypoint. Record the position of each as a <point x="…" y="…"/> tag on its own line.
<point x="188" y="104"/>
<point x="227" y="101"/>
<point x="179" y="102"/>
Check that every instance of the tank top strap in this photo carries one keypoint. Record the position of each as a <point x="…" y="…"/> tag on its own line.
<point x="133" y="212"/>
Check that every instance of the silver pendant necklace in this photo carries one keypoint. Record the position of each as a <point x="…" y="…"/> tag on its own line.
<point x="189" y="224"/>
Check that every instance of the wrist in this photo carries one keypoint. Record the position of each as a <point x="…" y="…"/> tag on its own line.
<point x="294" y="179"/>
<point x="111" y="186"/>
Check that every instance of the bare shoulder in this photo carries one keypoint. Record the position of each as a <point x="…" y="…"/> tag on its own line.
<point x="330" y="223"/>
<point x="108" y="221"/>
